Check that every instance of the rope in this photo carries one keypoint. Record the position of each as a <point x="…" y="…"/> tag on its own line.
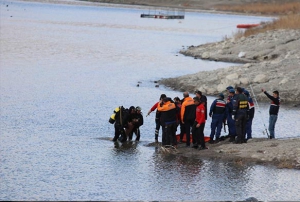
<point x="265" y="131"/>
<point x="168" y="149"/>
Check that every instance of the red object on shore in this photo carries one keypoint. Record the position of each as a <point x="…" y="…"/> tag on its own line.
<point x="246" y="26"/>
<point x="206" y="139"/>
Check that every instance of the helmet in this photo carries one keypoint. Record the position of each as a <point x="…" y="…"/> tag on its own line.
<point x="246" y="93"/>
<point x="229" y="87"/>
<point x="231" y="90"/>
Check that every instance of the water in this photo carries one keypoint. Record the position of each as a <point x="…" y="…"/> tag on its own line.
<point x="64" y="69"/>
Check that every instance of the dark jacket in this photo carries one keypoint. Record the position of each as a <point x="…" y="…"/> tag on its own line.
<point x="251" y="107"/>
<point x="140" y="120"/>
<point x="229" y="105"/>
<point x="122" y="116"/>
<point x="217" y="107"/>
<point x="275" y="103"/>
<point x="240" y="104"/>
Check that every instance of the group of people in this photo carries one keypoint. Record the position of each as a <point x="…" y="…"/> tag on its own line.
<point x="190" y="114"/>
<point x="240" y="113"/>
<point x="127" y="122"/>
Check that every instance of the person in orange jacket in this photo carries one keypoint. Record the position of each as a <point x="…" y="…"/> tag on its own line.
<point x="198" y="127"/>
<point x="168" y="111"/>
<point x="187" y="112"/>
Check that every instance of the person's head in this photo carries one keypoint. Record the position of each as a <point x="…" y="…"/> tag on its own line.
<point x="176" y="99"/>
<point x="131" y="110"/>
<point x="246" y="93"/>
<point x="186" y="94"/>
<point x="197" y="100"/>
<point x="275" y="93"/>
<point x="162" y="96"/>
<point x="239" y="90"/>
<point x="221" y="96"/>
<point x="167" y="99"/>
<point x="138" y="109"/>
<point x="231" y="92"/>
<point x="229" y="87"/>
<point x="198" y="93"/>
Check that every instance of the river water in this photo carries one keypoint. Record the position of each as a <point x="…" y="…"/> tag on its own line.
<point x="64" y="69"/>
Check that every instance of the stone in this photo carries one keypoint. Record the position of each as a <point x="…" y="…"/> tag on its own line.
<point x="244" y="81"/>
<point x="242" y="55"/>
<point x="232" y="76"/>
<point x="261" y="78"/>
<point x="283" y="81"/>
<point x="205" y="55"/>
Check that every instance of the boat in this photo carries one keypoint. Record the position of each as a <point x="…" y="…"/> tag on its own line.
<point x="162" y="16"/>
<point x="246" y="26"/>
<point x="166" y="13"/>
<point x="206" y="139"/>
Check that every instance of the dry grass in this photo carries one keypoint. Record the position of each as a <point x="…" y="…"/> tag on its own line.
<point x="289" y="13"/>
<point x="291" y="21"/>
<point x="285" y="164"/>
<point x="264" y="8"/>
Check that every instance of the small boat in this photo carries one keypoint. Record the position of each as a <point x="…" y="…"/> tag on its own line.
<point x="162" y="16"/>
<point x="164" y="13"/>
<point x="246" y="26"/>
<point x="206" y="139"/>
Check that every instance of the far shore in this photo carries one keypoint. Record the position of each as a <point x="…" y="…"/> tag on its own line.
<point x="203" y="6"/>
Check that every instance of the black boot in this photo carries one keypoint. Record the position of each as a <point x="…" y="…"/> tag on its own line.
<point x="231" y="139"/>
<point x="195" y="146"/>
<point x="137" y="135"/>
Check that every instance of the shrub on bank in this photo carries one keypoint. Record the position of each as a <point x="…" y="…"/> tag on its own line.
<point x="291" y="21"/>
<point x="278" y="8"/>
<point x="288" y="12"/>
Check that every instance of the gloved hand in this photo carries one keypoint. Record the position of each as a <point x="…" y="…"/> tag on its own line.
<point x="232" y="117"/>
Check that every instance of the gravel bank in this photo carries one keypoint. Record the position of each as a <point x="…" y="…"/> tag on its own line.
<point x="276" y="152"/>
<point x="270" y="60"/>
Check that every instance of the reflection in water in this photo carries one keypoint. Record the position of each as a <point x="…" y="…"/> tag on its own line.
<point x="181" y="165"/>
<point x="128" y="147"/>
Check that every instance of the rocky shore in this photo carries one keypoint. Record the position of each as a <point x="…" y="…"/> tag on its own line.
<point x="270" y="60"/>
<point x="281" y="153"/>
<point x="276" y="152"/>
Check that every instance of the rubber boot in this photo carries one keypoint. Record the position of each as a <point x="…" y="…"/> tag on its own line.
<point x="156" y="136"/>
<point x="137" y="135"/>
<point x="232" y="138"/>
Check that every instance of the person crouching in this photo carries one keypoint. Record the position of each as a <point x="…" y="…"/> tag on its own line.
<point x="137" y="122"/>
